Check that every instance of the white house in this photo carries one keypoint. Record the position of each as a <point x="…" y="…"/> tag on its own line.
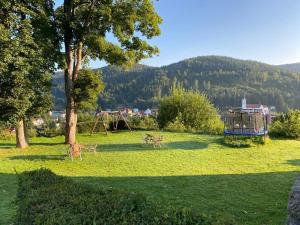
<point x="148" y="112"/>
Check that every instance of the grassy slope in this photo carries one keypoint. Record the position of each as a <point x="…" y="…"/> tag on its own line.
<point x="188" y="171"/>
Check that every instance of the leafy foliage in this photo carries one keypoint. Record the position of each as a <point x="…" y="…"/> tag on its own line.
<point x="287" y="125"/>
<point x="244" y="142"/>
<point x="84" y="27"/>
<point x="176" y="125"/>
<point x="88" y="22"/>
<point x="87" y="88"/>
<point x="6" y="134"/>
<point x="188" y="110"/>
<point x="144" y="123"/>
<point x="44" y="198"/>
<point x="25" y="67"/>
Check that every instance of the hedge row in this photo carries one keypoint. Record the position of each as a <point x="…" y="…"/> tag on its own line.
<point x="47" y="199"/>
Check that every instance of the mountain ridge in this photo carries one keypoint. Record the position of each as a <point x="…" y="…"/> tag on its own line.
<point x="223" y="79"/>
<point x="293" y="67"/>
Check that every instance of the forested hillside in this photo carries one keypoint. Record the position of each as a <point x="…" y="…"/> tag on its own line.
<point x="293" y="67"/>
<point x="225" y="80"/>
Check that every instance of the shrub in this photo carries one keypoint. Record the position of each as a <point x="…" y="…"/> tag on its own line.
<point x="32" y="132"/>
<point x="148" y="123"/>
<point x="85" y="123"/>
<point x="6" y="134"/>
<point x="47" y="199"/>
<point x="286" y="125"/>
<point x="190" y="108"/>
<point x="144" y="123"/>
<point x="242" y="142"/>
<point x="177" y="125"/>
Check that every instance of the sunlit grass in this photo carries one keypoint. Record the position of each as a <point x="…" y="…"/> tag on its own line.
<point x="194" y="171"/>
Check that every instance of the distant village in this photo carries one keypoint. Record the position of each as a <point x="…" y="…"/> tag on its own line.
<point x="58" y="116"/>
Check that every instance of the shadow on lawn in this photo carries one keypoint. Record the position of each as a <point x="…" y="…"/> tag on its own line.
<point x="38" y="157"/>
<point x="7" y="145"/>
<point x="45" y="143"/>
<point x="13" y="145"/>
<point x="294" y="162"/>
<point x="249" y="197"/>
<point x="8" y="187"/>
<point x="183" y="145"/>
<point x="255" y="199"/>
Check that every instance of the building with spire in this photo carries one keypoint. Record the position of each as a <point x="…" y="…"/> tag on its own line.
<point x="254" y="107"/>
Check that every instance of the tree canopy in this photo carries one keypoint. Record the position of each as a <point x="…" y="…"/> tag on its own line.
<point x="93" y="23"/>
<point x="113" y="31"/>
<point x="26" y="37"/>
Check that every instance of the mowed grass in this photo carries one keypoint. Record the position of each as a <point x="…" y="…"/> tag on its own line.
<point x="194" y="171"/>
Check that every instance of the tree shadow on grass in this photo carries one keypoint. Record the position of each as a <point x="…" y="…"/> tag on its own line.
<point x="38" y="157"/>
<point x="258" y="198"/>
<point x="294" y="162"/>
<point x="251" y="199"/>
<point x="7" y="145"/>
<point x="45" y="143"/>
<point x="187" y="145"/>
<point x="13" y="145"/>
<point x="178" y="145"/>
<point x="8" y="187"/>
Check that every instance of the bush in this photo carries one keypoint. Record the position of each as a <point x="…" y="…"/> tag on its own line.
<point x="242" y="142"/>
<point x="6" y="134"/>
<point x="177" y="125"/>
<point x="286" y="125"/>
<point x="85" y="123"/>
<point x="189" y="110"/>
<point x="32" y="132"/>
<point x="47" y="199"/>
<point x="144" y="123"/>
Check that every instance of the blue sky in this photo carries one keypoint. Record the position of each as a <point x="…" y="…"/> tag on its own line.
<point x="262" y="30"/>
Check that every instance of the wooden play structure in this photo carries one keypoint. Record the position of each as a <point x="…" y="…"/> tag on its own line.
<point x="107" y="118"/>
<point x="101" y="118"/>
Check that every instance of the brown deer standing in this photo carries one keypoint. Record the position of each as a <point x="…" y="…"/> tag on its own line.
<point x="76" y="149"/>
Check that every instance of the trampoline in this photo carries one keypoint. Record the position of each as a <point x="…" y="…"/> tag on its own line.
<point x="247" y="123"/>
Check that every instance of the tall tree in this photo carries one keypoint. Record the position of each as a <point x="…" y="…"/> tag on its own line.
<point x="86" y="28"/>
<point x="26" y="36"/>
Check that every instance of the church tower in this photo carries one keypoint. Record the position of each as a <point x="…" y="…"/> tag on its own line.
<point x="244" y="103"/>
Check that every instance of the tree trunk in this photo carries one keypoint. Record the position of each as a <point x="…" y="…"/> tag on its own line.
<point x="73" y="61"/>
<point x="26" y="131"/>
<point x="71" y="75"/>
<point x="71" y="121"/>
<point x="20" y="135"/>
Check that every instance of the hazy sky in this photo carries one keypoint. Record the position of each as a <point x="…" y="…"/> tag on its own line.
<point x="263" y="30"/>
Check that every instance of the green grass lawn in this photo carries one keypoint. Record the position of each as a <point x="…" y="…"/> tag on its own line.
<point x="194" y="171"/>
